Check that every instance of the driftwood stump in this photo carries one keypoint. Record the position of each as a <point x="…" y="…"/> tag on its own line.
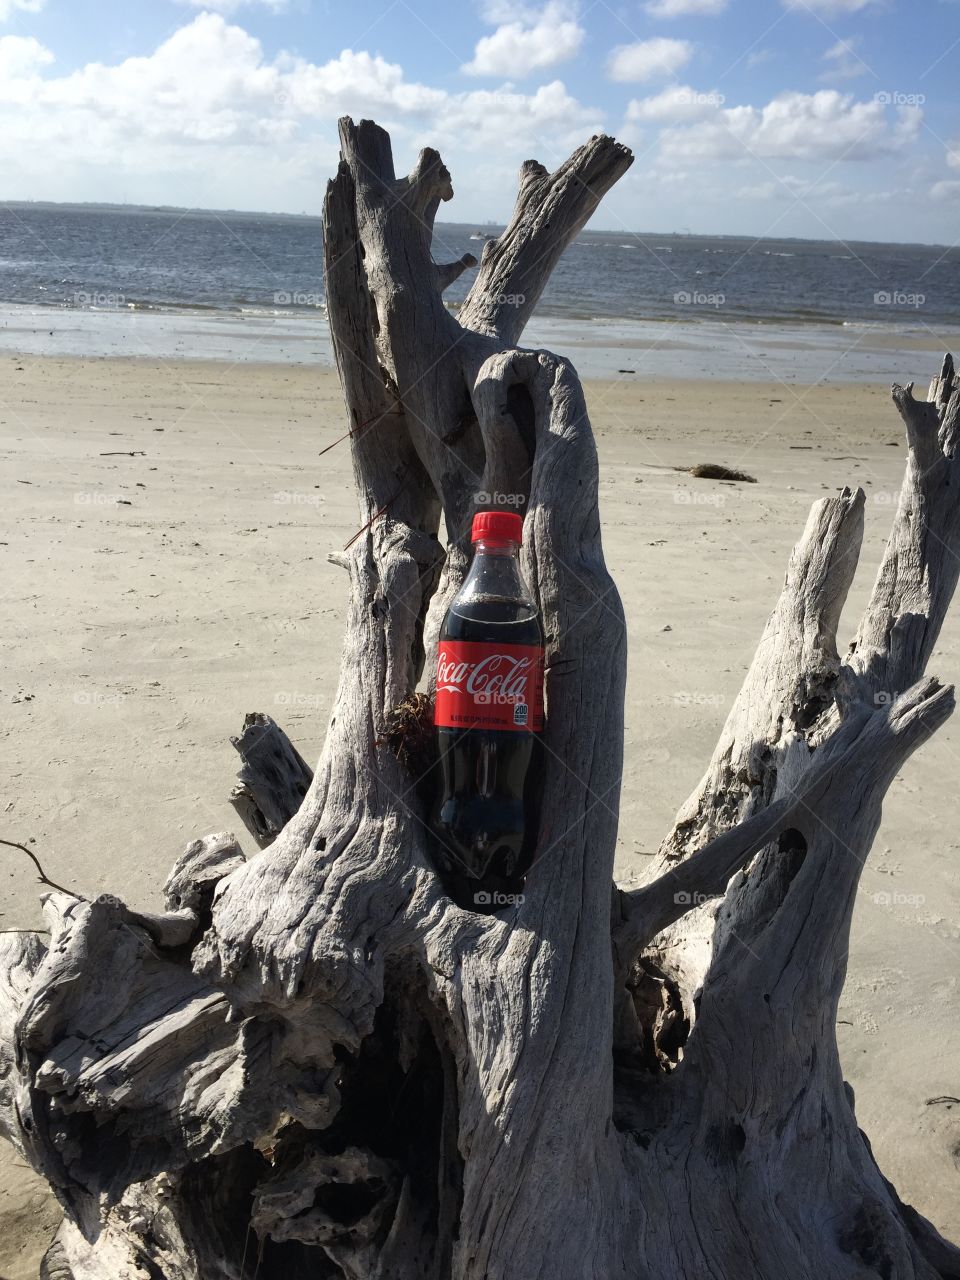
<point x="314" y="1065"/>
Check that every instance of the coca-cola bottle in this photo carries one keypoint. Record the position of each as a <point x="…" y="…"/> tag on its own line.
<point x="489" y="717"/>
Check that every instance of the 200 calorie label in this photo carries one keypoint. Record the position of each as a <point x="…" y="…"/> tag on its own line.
<point x="489" y="686"/>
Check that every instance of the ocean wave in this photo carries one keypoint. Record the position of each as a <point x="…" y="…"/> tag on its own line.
<point x="649" y="310"/>
<point x="122" y="304"/>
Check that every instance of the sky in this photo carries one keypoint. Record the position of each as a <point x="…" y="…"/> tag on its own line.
<point x="815" y="118"/>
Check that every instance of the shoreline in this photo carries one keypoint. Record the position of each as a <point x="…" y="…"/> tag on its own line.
<point x="807" y="353"/>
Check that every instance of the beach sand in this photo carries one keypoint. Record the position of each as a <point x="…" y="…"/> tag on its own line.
<point x="150" y="601"/>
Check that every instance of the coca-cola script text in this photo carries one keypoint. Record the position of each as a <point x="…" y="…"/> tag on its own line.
<point x="489" y="686"/>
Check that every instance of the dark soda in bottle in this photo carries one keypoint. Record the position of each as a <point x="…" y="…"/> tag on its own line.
<point x="489" y="718"/>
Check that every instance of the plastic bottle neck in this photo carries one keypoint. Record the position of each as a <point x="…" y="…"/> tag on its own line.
<point x="496" y="548"/>
<point x="495" y="575"/>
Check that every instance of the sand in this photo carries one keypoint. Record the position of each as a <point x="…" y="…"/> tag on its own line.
<point x="151" y="600"/>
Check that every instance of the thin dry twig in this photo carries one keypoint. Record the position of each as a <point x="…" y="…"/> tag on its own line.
<point x="376" y="515"/>
<point x="355" y="431"/>
<point x="44" y="878"/>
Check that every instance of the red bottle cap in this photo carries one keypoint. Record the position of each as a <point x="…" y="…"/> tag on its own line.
<point x="498" y="528"/>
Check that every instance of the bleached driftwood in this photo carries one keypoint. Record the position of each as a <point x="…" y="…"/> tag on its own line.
<point x="272" y="780"/>
<point x="341" y="1074"/>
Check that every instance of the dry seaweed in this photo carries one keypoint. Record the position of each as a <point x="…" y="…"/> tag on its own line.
<point x="716" y="471"/>
<point x="411" y="736"/>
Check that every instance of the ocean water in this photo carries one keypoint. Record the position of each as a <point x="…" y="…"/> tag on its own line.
<point x="86" y="279"/>
<point x="75" y="256"/>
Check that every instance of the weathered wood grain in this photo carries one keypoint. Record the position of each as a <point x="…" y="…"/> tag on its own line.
<point x="313" y="1064"/>
<point x="272" y="780"/>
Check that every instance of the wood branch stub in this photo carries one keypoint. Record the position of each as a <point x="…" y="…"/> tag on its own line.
<point x="705" y="873"/>
<point x="768" y="957"/>
<point x="21" y="955"/>
<point x="808" y="808"/>
<point x="550" y="211"/>
<point x="787" y="708"/>
<point x="272" y="780"/>
<point x="790" y="681"/>
<point x="918" y="574"/>
<point x="203" y="864"/>
<point x="763" y="748"/>
<point x="447" y="272"/>
<point x="408" y="340"/>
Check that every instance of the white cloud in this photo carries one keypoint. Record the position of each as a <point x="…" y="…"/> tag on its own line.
<point x="649" y="59"/>
<point x="232" y="6"/>
<point x="528" y="120"/>
<point x="791" y="188"/>
<point x="953" y="154"/>
<point x="22" y="57"/>
<point x="528" y="43"/>
<point x="907" y="128"/>
<point x="9" y="7"/>
<point x="307" y="90"/>
<point x="756" y="57"/>
<point x="829" y="8"/>
<point x="842" y="49"/>
<point x="497" y="12"/>
<point x="844" y="63"/>
<point x="680" y="104"/>
<point x="683" y="8"/>
<point x="208" y="119"/>
<point x="821" y="126"/>
<point x="947" y="190"/>
<point x="834" y="195"/>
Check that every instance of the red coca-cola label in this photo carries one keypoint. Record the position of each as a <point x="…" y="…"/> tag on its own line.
<point x="489" y="686"/>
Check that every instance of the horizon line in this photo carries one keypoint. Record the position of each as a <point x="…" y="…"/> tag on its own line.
<point x="588" y="230"/>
